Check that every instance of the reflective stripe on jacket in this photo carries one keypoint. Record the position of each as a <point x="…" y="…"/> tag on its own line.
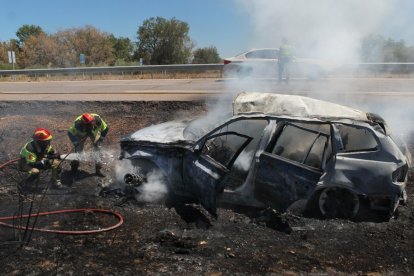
<point x="285" y="51"/>
<point x="31" y="153"/>
<point x="81" y="130"/>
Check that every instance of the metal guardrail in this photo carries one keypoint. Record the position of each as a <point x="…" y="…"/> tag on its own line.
<point x="381" y="66"/>
<point x="392" y="67"/>
<point x="115" y="69"/>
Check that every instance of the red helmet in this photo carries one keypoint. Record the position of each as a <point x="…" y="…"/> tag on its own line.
<point x="42" y="134"/>
<point x="87" y="118"/>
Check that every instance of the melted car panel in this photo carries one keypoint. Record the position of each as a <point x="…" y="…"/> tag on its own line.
<point x="337" y="158"/>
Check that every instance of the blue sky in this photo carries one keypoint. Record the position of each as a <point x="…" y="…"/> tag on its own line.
<point x="212" y="23"/>
<point x="327" y="28"/>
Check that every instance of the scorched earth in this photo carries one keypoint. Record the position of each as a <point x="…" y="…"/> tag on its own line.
<point x="156" y="240"/>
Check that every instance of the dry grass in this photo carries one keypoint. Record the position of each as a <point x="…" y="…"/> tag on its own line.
<point x="110" y="76"/>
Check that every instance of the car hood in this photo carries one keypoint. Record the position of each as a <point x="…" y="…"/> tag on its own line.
<point x="165" y="133"/>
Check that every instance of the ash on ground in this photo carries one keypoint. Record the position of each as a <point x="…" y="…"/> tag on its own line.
<point x="182" y="240"/>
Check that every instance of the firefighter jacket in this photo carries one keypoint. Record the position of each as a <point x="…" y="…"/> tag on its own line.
<point x="81" y="130"/>
<point x="32" y="154"/>
<point x="285" y="52"/>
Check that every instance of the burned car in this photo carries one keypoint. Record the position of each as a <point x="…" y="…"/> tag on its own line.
<point x="275" y="151"/>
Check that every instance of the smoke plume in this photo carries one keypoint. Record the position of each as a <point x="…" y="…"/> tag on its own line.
<point x="321" y="28"/>
<point x="331" y="31"/>
<point x="154" y="189"/>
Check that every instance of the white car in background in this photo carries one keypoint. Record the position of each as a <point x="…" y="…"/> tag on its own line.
<point x="262" y="62"/>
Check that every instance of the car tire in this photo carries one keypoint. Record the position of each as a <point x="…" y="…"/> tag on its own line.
<point x="146" y="169"/>
<point x="338" y="203"/>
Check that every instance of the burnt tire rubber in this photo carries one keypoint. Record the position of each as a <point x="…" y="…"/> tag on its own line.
<point x="338" y="203"/>
<point x="144" y="169"/>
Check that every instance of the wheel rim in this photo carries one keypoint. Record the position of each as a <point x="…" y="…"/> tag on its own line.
<point x="338" y="203"/>
<point x="154" y="186"/>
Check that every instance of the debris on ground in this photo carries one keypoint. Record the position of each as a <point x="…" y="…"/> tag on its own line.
<point x="155" y="239"/>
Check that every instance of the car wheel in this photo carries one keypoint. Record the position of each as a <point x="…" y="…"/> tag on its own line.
<point x="338" y="203"/>
<point x="150" y="183"/>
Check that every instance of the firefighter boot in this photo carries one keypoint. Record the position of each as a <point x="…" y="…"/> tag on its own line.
<point x="98" y="172"/>
<point x="29" y="184"/>
<point x="31" y="179"/>
<point x="74" y="165"/>
<point x="57" y="183"/>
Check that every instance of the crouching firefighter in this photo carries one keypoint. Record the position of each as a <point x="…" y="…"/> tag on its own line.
<point x="37" y="155"/>
<point x="88" y="126"/>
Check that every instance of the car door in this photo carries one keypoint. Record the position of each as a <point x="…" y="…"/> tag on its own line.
<point x="214" y="160"/>
<point x="206" y="168"/>
<point x="262" y="62"/>
<point x="293" y="164"/>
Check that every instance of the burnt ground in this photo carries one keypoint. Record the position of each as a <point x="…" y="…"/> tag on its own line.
<point x="158" y="240"/>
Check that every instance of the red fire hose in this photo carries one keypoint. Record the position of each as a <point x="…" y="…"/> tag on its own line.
<point x="67" y="232"/>
<point x="8" y="163"/>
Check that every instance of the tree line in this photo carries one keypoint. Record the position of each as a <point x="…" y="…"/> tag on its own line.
<point x="159" y="41"/>
<point x="376" y="48"/>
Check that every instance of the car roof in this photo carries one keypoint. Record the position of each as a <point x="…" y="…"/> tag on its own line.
<point x="293" y="106"/>
<point x="254" y="49"/>
<point x="259" y="49"/>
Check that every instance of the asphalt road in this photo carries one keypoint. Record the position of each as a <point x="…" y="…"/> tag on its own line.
<point x="195" y="89"/>
<point x="392" y="98"/>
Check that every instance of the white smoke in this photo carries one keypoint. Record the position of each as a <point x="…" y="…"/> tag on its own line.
<point x="320" y="28"/>
<point x="244" y="160"/>
<point x="153" y="190"/>
<point x="103" y="155"/>
<point x="123" y="167"/>
<point x="331" y="31"/>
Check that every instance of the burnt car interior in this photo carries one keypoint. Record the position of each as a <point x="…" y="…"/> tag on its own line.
<point x="279" y="150"/>
<point x="224" y="144"/>
<point x="356" y="139"/>
<point x="306" y="143"/>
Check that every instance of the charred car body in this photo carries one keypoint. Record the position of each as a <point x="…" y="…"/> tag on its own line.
<point x="274" y="151"/>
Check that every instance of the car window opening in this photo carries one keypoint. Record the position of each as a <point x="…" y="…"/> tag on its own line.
<point x="223" y="148"/>
<point x="304" y="143"/>
<point x="356" y="139"/>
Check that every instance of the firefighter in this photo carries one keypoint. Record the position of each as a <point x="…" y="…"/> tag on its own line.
<point x="92" y="126"/>
<point x="284" y="60"/>
<point x="38" y="154"/>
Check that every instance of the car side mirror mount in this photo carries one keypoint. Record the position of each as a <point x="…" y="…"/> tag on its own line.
<point x="197" y="148"/>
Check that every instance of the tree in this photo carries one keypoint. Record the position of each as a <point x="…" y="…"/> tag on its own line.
<point x="97" y="46"/>
<point x="395" y="51"/>
<point x="375" y="48"/>
<point x="3" y="53"/>
<point x="123" y="48"/>
<point x="206" y="55"/>
<point x="25" y="31"/>
<point x="162" y="41"/>
<point x="11" y="45"/>
<point x="39" y="51"/>
<point x="372" y="48"/>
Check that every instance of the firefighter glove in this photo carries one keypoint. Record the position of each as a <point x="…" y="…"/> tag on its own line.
<point x="54" y="156"/>
<point x="45" y="163"/>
